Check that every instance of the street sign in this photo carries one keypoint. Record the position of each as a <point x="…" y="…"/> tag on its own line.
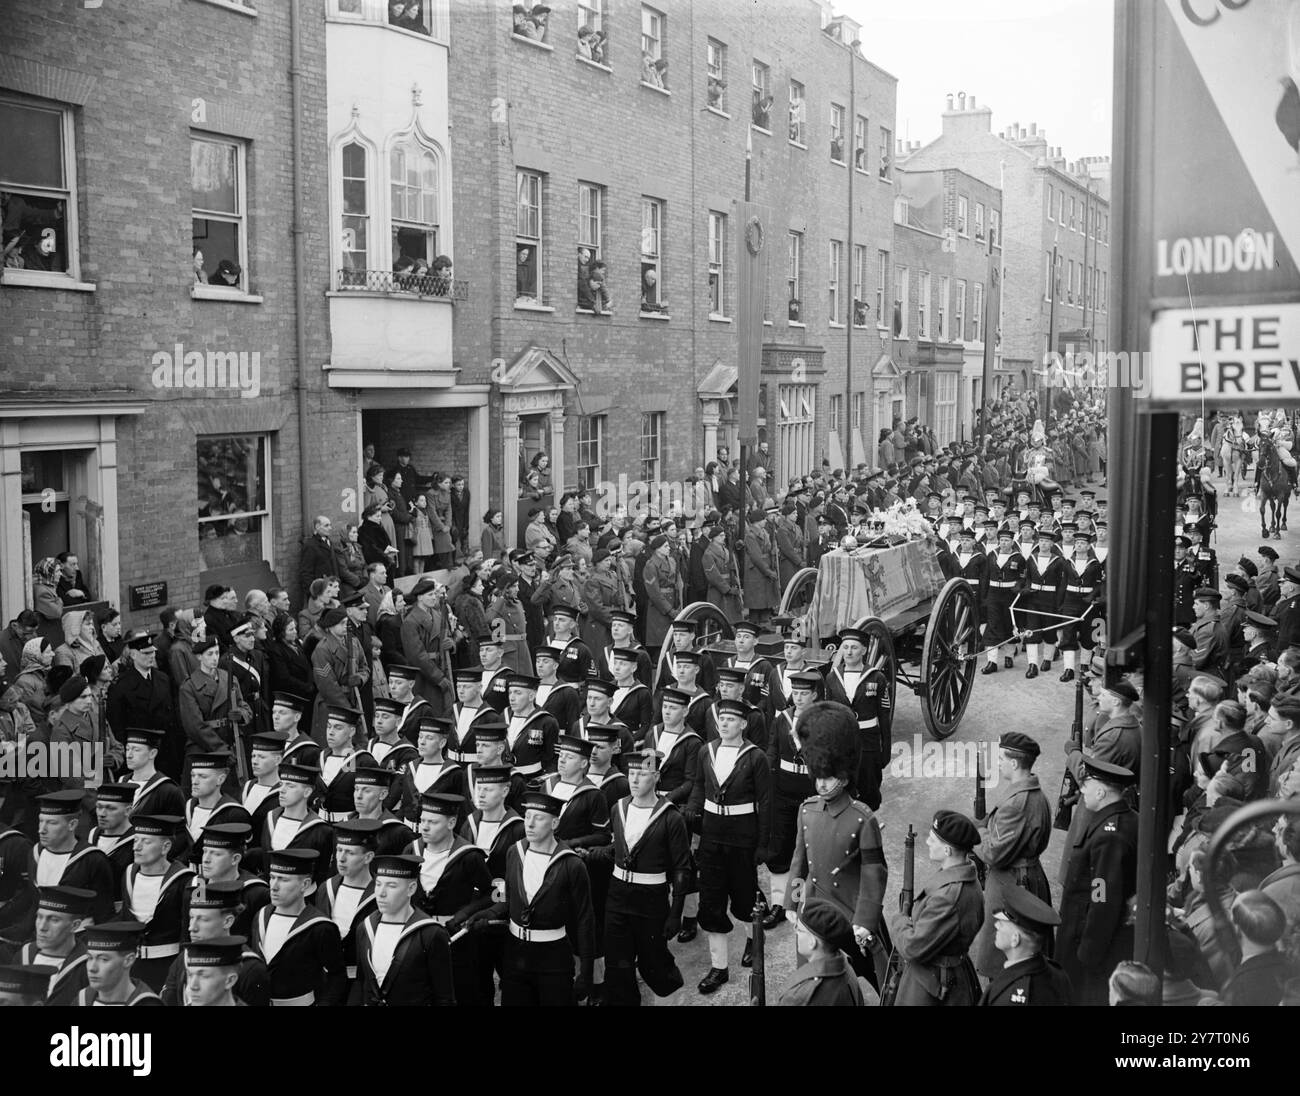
<point x="1225" y="200"/>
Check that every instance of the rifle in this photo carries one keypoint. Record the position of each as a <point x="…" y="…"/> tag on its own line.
<point x="981" y="807"/>
<point x="758" y="972"/>
<point x="906" y="899"/>
<point x="1069" y="786"/>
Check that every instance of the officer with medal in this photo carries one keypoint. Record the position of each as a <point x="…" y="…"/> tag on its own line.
<point x="1023" y="930"/>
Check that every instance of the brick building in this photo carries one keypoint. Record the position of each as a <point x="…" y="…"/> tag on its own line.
<point x="631" y="154"/>
<point x="1048" y="203"/>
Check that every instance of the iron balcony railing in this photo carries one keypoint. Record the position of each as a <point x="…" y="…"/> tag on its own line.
<point x="416" y="285"/>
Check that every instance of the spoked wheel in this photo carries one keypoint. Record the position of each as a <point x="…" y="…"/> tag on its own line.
<point x="712" y="627"/>
<point x="880" y="652"/>
<point x="797" y="600"/>
<point x="948" y="658"/>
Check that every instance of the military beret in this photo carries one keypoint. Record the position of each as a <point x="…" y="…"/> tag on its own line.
<point x="1015" y="742"/>
<point x="92" y="667"/>
<point x="1248" y="567"/>
<point x="1267" y="552"/>
<point x="1238" y="583"/>
<point x="1291" y="573"/>
<point x="71" y="689"/>
<point x="333" y="617"/>
<point x="1180" y="541"/>
<point x="1124" y="690"/>
<point x="955" y="829"/>
<point x="826" y="922"/>
<point x="424" y="586"/>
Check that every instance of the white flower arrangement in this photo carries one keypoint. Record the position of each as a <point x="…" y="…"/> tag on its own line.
<point x="901" y="522"/>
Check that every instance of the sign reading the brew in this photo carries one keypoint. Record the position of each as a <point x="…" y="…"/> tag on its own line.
<point x="152" y="595"/>
<point x="1226" y="201"/>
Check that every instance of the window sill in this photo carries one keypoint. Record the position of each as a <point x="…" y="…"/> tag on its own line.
<point x="658" y="90"/>
<point x="660" y="316"/>
<point x="798" y="144"/>
<point x="796" y="323"/>
<point x="759" y="129"/>
<point x="532" y="42"/>
<point x="216" y="293"/>
<point x="718" y="112"/>
<point x="884" y="179"/>
<point x="43" y="279"/>
<point x="862" y="170"/>
<point x="592" y="64"/>
<point x="839" y="325"/>
<point x="839" y="163"/>
<point x="525" y="306"/>
<point x="392" y="295"/>
<point x="229" y="5"/>
<point x="592" y="312"/>
<point x="715" y="318"/>
<point x="767" y="323"/>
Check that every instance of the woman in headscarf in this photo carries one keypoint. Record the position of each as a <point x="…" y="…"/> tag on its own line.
<point x="471" y="614"/>
<point x="79" y="641"/>
<point x="37" y="658"/>
<point x="45" y="589"/>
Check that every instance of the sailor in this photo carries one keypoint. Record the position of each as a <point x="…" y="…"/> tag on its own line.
<point x="575" y="656"/>
<point x="494" y="674"/>
<point x="531" y="731"/>
<point x="403" y="955"/>
<point x="62" y="914"/>
<point x="686" y="670"/>
<point x="402" y="680"/>
<point x="1043" y="593"/>
<point x="622" y="629"/>
<point x="1085" y="578"/>
<point x="683" y="636"/>
<point x="490" y="749"/>
<point x="339" y="763"/>
<point x="156" y="793"/>
<point x="388" y="747"/>
<point x="209" y="774"/>
<point x="24" y="985"/>
<point x="678" y="746"/>
<point x="60" y="858"/>
<point x="1005" y="576"/>
<point x="563" y="700"/>
<point x="286" y="719"/>
<point x="348" y="897"/>
<point x="868" y="692"/>
<point x="154" y="892"/>
<point x="762" y="681"/>
<point x="600" y="696"/>
<point x="293" y="825"/>
<point x="632" y="703"/>
<point x="112" y="833"/>
<point x="791" y="786"/>
<point x="261" y="794"/>
<point x="225" y="846"/>
<point x="470" y="709"/>
<point x="212" y="971"/>
<point x="431" y="771"/>
<point x="298" y="943"/>
<point x="731" y="686"/>
<point x="111" y="951"/>
<point x="213" y="910"/>
<point x="370" y="792"/>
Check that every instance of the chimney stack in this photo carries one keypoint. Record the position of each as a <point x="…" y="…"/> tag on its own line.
<point x="1033" y="129"/>
<point x="972" y="102"/>
<point x="950" y="102"/>
<point x="961" y="100"/>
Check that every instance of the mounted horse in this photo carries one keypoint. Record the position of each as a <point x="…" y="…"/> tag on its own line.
<point x="1234" y="455"/>
<point x="1272" y="488"/>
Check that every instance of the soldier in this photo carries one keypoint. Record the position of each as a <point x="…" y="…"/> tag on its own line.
<point x="470" y="709"/>
<point x="299" y="945"/>
<point x="62" y="915"/>
<point x="530" y="731"/>
<point x="1084" y="587"/>
<point x="339" y="763"/>
<point x="823" y="933"/>
<point x="1100" y="878"/>
<point x="286" y="719"/>
<point x="403" y="956"/>
<point x="388" y="747"/>
<point x="791" y="786"/>
<point x="1267" y="580"/>
<point x="294" y="826"/>
<point x="650" y="850"/>
<point x="213" y="969"/>
<point x="944" y="922"/>
<point x="1260" y="635"/>
<point x="425" y="643"/>
<point x="24" y="985"/>
<point x="348" y="897"/>
<point x="1043" y="593"/>
<point x="339" y="668"/>
<point x="732" y="796"/>
<point x="401" y="688"/>
<point x="1211" y="654"/>
<point x="1232" y="616"/>
<point x="222" y="864"/>
<point x="212" y="710"/>
<point x="112" y="951"/>
<point x="431" y="772"/>
<point x="112" y="833"/>
<point x="1016" y="834"/>
<point x="156" y="793"/>
<point x="1005" y="575"/>
<point x="213" y="911"/>
<point x="209" y="773"/>
<point x="866" y="690"/>
<point x="154" y="890"/>
<point x="1287" y="610"/>
<point x="61" y="859"/>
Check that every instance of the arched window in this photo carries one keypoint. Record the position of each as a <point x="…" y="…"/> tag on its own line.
<point x="356" y="215"/>
<point x="413" y="175"/>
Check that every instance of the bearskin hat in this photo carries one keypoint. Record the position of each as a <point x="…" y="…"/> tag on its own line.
<point x="828" y="732"/>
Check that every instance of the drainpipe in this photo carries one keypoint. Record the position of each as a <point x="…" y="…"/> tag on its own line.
<point x="299" y="257"/>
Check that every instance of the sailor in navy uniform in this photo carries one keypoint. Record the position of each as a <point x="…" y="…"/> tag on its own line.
<point x="156" y="793"/>
<point x="403" y="955"/>
<point x="453" y="885"/>
<point x="154" y="891"/>
<point x="794" y="661"/>
<point x="286" y="719"/>
<point x="470" y="709"/>
<point x="733" y="797"/>
<point x="369" y="794"/>
<point x="762" y="680"/>
<point x="1027" y="537"/>
<point x="261" y="794"/>
<point x="388" y="748"/>
<point x="1085" y="578"/>
<point x="402" y="680"/>
<point x="632" y="703"/>
<point x="1024" y="925"/>
<point x="605" y="741"/>
<point x="678" y="745"/>
<point x="112" y="951"/>
<point x="299" y="945"/>
<point x="493" y="828"/>
<point x="531" y="731"/>
<point x="24" y="985"/>
<point x="683" y="637"/>
<point x="212" y="971"/>
<point x="686" y="668"/>
<point x="431" y="771"/>
<point x="622" y="631"/>
<point x="339" y="763"/>
<point x="968" y="562"/>
<point x="494" y="674"/>
<point x="348" y="897"/>
<point x="61" y="859"/>
<point x="575" y="656"/>
<point x="1004" y="579"/>
<point x="1044" y="591"/>
<point x="651" y="852"/>
<point x="209" y="773"/>
<point x="600" y="696"/>
<point x="61" y="915"/>
<point x="112" y="833"/>
<point x="490" y="747"/>
<point x="17" y="891"/>
<point x="225" y="846"/>
<point x="214" y="909"/>
<point x="561" y="699"/>
<point x="547" y="901"/>
<point x="866" y="690"/>
<point x="791" y="785"/>
<point x="293" y="825"/>
<point x="731" y="686"/>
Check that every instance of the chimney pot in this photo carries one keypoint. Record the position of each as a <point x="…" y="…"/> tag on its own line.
<point x="972" y="102"/>
<point x="961" y="100"/>
<point x="950" y="102"/>
<point x="1033" y="129"/>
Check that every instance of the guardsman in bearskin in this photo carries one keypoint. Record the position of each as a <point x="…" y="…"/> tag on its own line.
<point x="402" y="681"/>
<point x="1085" y="579"/>
<point x="651" y="852"/>
<point x="62" y="914"/>
<point x="213" y="910"/>
<point x="1022" y="933"/>
<point x="61" y="859"/>
<point x="154" y="893"/>
<point x="622" y="631"/>
<point x="112" y="833"/>
<point x="112" y="952"/>
<point x="945" y="920"/>
<point x="1041" y="600"/>
<point x="762" y="679"/>
<point x="225" y="846"/>
<point x="403" y="955"/>
<point x="348" y="897"/>
<point x="1005" y="576"/>
<point x="547" y="905"/>
<point x="733" y="800"/>
<point x="454" y="883"/>
<point x="431" y="771"/>
<point x="293" y="825"/>
<point x="838" y="856"/>
<point x="470" y="708"/>
<point x="632" y="704"/>
<point x="791" y="786"/>
<point x="867" y="691"/>
<point x="388" y="747"/>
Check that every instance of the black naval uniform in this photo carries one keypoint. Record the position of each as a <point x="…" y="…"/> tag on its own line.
<point x="1033" y="981"/>
<point x="393" y="759"/>
<point x="1083" y="588"/>
<point x="161" y="941"/>
<point x="420" y="972"/>
<point x="645" y="667"/>
<point x="324" y="900"/>
<point x="86" y="867"/>
<point x="532" y="743"/>
<point x="336" y="802"/>
<point x="791" y="785"/>
<point x="1005" y="578"/>
<point x="465" y="719"/>
<point x="69" y="977"/>
<point x="254" y="893"/>
<point x="18" y="894"/>
<point x="312" y="833"/>
<point x="420" y="779"/>
<point x="755" y="725"/>
<point x="140" y="995"/>
<point x="491" y="941"/>
<point x="252" y="987"/>
<point x="120" y="850"/>
<point x="308" y="968"/>
<point x="563" y="702"/>
<point x="451" y="889"/>
<point x="872" y="706"/>
<point x="159" y="795"/>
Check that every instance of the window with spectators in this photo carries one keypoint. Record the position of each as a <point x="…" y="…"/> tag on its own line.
<point x="219" y="224"/>
<point x="716" y="75"/>
<point x="717" y="264"/>
<point x="886" y="153"/>
<point x="654" y="65"/>
<point x="798" y="114"/>
<point x="593" y="42"/>
<point x="234" y="515"/>
<point x="861" y="271"/>
<point x="652" y="261"/>
<point x="761" y="97"/>
<point x="528" y="238"/>
<point x="837" y="133"/>
<point x="860" y="143"/>
<point x="38" y="191"/>
<point x="593" y="288"/>
<point x="414" y="184"/>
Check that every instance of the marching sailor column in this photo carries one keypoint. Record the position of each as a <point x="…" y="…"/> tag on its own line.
<point x="299" y="945"/>
<point x="1085" y="577"/>
<point x="403" y="955"/>
<point x="1045" y="589"/>
<point x="213" y="909"/>
<point x="292" y="825"/>
<point x="62" y="913"/>
<point x="339" y="763"/>
<point x="348" y="897"/>
<point x="112" y="951"/>
<point x="791" y="786"/>
<point x="1005" y="576"/>
<point x="60" y="859"/>
<point x="678" y="746"/>
<point x="431" y="771"/>
<point x="154" y="893"/>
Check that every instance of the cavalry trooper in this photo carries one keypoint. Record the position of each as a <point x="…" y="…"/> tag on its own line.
<point x="866" y="690"/>
<point x="470" y="709"/>
<point x="61" y="859"/>
<point x="369" y="794"/>
<point x="154" y="891"/>
<point x="531" y="731"/>
<point x="944" y="922"/>
<point x="225" y="845"/>
<point x="212" y="971"/>
<point x="622" y="631"/>
<point x="24" y="985"/>
<point x="1023" y="925"/>
<point x="299" y="945"/>
<point x="1015" y="835"/>
<point x="1005" y="577"/>
<point x="686" y="669"/>
<point x="494" y="673"/>
<point x="402" y="680"/>
<point x="1085" y="578"/>
<point x="651" y="850"/>
<point x="209" y="773"/>
<point x="348" y="897"/>
<point x="453" y="884"/>
<point x="261" y="794"/>
<point x="214" y="908"/>
<point x="762" y="680"/>
<point x="403" y="955"/>
<point x="389" y="749"/>
<point x="293" y="825"/>
<point x="111" y="951"/>
<point x="339" y="763"/>
<point x="562" y="700"/>
<point x="490" y="749"/>
<point x="156" y="793"/>
<point x="492" y="827"/>
<point x="431" y="771"/>
<point x="62" y="913"/>
<point x="678" y="745"/>
<point x="791" y="786"/>
<point x="600" y="695"/>
<point x="731" y="686"/>
<point x="112" y="833"/>
<point x="632" y="702"/>
<point x="286" y="719"/>
<point x="547" y="901"/>
<point x="733" y="798"/>
<point x="683" y="636"/>
<point x="1100" y="877"/>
